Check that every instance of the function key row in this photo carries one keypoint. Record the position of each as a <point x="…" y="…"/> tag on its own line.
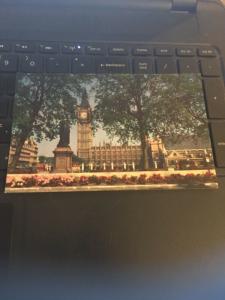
<point x="114" y="64"/>
<point x="103" y="49"/>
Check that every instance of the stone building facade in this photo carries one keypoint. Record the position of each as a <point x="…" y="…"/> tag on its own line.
<point x="106" y="155"/>
<point x="29" y="154"/>
<point x="190" y="158"/>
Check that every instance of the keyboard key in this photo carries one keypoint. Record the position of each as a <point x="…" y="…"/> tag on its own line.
<point x="2" y="181"/>
<point x="188" y="65"/>
<point x="186" y="51"/>
<point x="142" y="51"/>
<point x="207" y="52"/>
<point x="210" y="67"/>
<point x="5" y="105"/>
<point x="5" y="46"/>
<point x="83" y="64"/>
<point x="218" y="136"/>
<point x="4" y="151"/>
<point x="112" y="65"/>
<point x="31" y="64"/>
<point x="215" y="97"/>
<point x="70" y="48"/>
<point x="5" y="131"/>
<point x="8" y="63"/>
<point x="95" y="49"/>
<point x="7" y="84"/>
<point x="164" y="51"/>
<point x="49" y="47"/>
<point x="57" y="64"/>
<point x="166" y="66"/>
<point x="143" y="66"/>
<point x="25" y="47"/>
<point x="117" y="50"/>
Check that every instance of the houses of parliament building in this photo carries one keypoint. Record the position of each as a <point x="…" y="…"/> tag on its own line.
<point x="109" y="155"/>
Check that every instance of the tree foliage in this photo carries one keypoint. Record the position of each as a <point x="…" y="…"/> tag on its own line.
<point x="42" y="102"/>
<point x="133" y="108"/>
<point x="167" y="105"/>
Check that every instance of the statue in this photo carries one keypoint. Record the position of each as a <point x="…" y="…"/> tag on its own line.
<point x="63" y="153"/>
<point x="64" y="133"/>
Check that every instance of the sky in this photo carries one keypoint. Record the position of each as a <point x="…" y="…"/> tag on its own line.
<point x="46" y="148"/>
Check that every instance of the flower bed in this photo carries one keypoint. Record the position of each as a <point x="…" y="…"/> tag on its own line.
<point x="143" y="179"/>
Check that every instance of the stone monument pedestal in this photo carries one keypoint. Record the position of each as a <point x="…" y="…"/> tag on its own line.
<point x="63" y="160"/>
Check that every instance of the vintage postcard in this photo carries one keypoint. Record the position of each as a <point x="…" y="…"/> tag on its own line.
<point x="109" y="132"/>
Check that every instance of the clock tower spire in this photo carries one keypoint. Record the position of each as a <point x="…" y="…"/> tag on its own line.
<point x="84" y="129"/>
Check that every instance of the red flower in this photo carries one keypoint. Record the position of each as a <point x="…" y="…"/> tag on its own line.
<point x="83" y="180"/>
<point x="142" y="179"/>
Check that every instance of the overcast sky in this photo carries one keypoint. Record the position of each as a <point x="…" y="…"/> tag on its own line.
<point x="46" y="148"/>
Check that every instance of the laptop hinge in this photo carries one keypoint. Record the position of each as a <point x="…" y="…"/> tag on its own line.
<point x="184" y="5"/>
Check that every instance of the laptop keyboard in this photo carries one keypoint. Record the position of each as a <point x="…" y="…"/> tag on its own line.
<point x="78" y="58"/>
<point x="97" y="58"/>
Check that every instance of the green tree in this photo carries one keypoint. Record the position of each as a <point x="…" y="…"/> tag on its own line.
<point x="42" y="159"/>
<point x="179" y="109"/>
<point x="46" y="159"/>
<point x="42" y="102"/>
<point x="136" y="108"/>
<point x="77" y="159"/>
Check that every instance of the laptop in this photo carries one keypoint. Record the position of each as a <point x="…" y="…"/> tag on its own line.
<point x="118" y="103"/>
<point x="97" y="116"/>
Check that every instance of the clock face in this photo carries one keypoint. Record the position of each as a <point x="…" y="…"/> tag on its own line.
<point x="83" y="115"/>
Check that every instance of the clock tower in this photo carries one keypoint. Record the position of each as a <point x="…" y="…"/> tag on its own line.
<point x="84" y="129"/>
